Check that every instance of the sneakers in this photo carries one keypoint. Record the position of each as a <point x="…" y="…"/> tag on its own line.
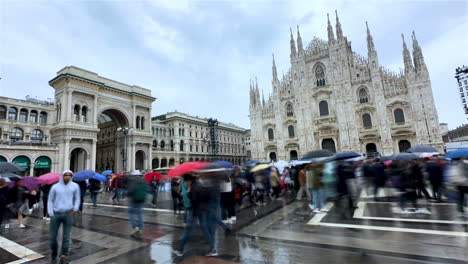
<point x="7" y="226"/>
<point x="317" y="211"/>
<point x="324" y="210"/>
<point x="233" y="220"/>
<point x="311" y="207"/>
<point x="178" y="253"/>
<point x="30" y="211"/>
<point x="44" y="218"/>
<point x="212" y="253"/>
<point x="21" y="226"/>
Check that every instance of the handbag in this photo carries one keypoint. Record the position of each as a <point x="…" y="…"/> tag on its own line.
<point x="24" y="209"/>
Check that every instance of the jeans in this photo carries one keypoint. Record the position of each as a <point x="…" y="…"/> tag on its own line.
<point x="318" y="198"/>
<point x="155" y="191"/>
<point x="462" y="190"/>
<point x="66" y="219"/>
<point x="409" y="196"/>
<point x="45" y="199"/>
<point x="135" y="209"/>
<point x="94" y="195"/>
<point x="117" y="194"/>
<point x="302" y="190"/>
<point x="203" y="218"/>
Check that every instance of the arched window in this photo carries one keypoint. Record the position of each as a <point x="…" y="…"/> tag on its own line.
<point x="16" y="134"/>
<point x="163" y="162"/>
<point x="37" y="136"/>
<point x="84" y="113"/>
<point x="155" y="143"/>
<point x="320" y="75"/>
<point x="172" y="145"/>
<point x="404" y="145"/>
<point x="43" y="118"/>
<point x="171" y="162"/>
<point x="293" y="155"/>
<point x="76" y="112"/>
<point x="289" y="110"/>
<point x="399" y="116"/>
<point x="2" y="112"/>
<point x="363" y="97"/>
<point x="142" y="123"/>
<point x="155" y="163"/>
<point x="138" y="122"/>
<point x="23" y="116"/>
<point x="366" y="121"/>
<point x="33" y="116"/>
<point x="162" y="144"/>
<point x="12" y="113"/>
<point x="329" y="144"/>
<point x="291" y="131"/>
<point x="323" y="108"/>
<point x="271" y="136"/>
<point x="181" y="147"/>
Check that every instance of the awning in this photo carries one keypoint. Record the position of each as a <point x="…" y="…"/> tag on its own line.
<point x="42" y="162"/>
<point x="3" y="159"/>
<point x="22" y="161"/>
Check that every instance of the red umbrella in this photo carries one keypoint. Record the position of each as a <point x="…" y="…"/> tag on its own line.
<point x="49" y="178"/>
<point x="186" y="168"/>
<point x="149" y="176"/>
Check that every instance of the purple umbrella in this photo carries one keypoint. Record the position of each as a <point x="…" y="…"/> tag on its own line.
<point x="30" y="183"/>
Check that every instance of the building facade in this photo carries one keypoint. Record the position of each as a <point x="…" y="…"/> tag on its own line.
<point x="332" y="98"/>
<point x="179" y="137"/>
<point x="461" y="74"/>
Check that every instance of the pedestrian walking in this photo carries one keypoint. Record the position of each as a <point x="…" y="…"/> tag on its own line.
<point x="303" y="185"/>
<point x="3" y="202"/>
<point x="435" y="176"/>
<point x="94" y="189"/>
<point x="176" y="194"/>
<point x="63" y="203"/>
<point x="45" y="189"/>
<point x="154" y="187"/>
<point x="17" y="202"/>
<point x="318" y="192"/>
<point x="275" y="183"/>
<point x="83" y="186"/>
<point x="137" y="189"/>
<point x="117" y="186"/>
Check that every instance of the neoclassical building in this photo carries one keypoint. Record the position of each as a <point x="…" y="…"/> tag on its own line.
<point x="179" y="137"/>
<point x="332" y="98"/>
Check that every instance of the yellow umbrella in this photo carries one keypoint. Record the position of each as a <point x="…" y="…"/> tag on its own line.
<point x="260" y="167"/>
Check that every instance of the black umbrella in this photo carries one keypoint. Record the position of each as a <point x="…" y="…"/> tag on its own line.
<point x="345" y="155"/>
<point x="321" y="153"/>
<point x="9" y="167"/>
<point x="421" y="149"/>
<point x="404" y="156"/>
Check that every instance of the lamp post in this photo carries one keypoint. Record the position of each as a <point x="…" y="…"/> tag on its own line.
<point x="125" y="131"/>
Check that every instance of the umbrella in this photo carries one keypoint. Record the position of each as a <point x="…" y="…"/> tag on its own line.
<point x="99" y="177"/>
<point x="224" y="164"/>
<point x="457" y="154"/>
<point x="83" y="175"/>
<point x="10" y="176"/>
<point x="30" y="183"/>
<point x="280" y="165"/>
<point x="187" y="167"/>
<point x="149" y="176"/>
<point x="321" y="153"/>
<point x="404" y="156"/>
<point x="9" y="167"/>
<point x="251" y="163"/>
<point x="346" y="155"/>
<point x="260" y="167"/>
<point x="422" y="148"/>
<point x="49" y="178"/>
<point x="107" y="172"/>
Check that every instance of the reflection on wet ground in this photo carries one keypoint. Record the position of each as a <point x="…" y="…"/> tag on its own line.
<point x="281" y="232"/>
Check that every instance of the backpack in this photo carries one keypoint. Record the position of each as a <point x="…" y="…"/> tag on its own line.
<point x="138" y="192"/>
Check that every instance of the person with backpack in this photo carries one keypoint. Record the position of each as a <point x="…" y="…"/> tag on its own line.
<point x="137" y="189"/>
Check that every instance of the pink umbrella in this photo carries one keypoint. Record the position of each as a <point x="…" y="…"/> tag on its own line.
<point x="49" y="178"/>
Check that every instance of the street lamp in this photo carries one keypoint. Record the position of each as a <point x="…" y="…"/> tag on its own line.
<point x="125" y="131"/>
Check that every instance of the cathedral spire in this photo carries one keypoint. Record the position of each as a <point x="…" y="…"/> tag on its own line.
<point x="339" y="31"/>
<point x="418" y="58"/>
<point x="263" y="98"/>
<point x="274" y="71"/>
<point x="406" y="57"/>
<point x="293" y="46"/>
<point x="370" y="43"/>
<point x="331" y="35"/>
<point x="300" y="49"/>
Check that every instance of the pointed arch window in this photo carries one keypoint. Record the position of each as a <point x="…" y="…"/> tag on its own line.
<point x="138" y="122"/>
<point x="76" y="112"/>
<point x="270" y="134"/>
<point x="84" y="113"/>
<point x="320" y="75"/>
<point x="289" y="109"/>
<point x="291" y="131"/>
<point x="181" y="147"/>
<point x="142" y="126"/>
<point x="323" y="108"/>
<point x="366" y="121"/>
<point x="363" y="96"/>
<point x="399" y="116"/>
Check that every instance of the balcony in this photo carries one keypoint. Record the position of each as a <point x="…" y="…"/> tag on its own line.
<point x="26" y="143"/>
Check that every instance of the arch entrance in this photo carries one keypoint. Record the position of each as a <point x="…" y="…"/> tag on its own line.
<point x="112" y="141"/>
<point x="140" y="160"/>
<point x="78" y="158"/>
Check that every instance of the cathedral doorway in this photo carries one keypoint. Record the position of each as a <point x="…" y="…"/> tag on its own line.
<point x="112" y="141"/>
<point x="140" y="160"/>
<point x="272" y="156"/>
<point x="293" y="155"/>
<point x="78" y="159"/>
<point x="329" y="144"/>
<point x="404" y="145"/>
<point x="371" y="150"/>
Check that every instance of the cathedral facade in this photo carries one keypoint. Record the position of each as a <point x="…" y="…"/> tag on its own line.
<point x="332" y="98"/>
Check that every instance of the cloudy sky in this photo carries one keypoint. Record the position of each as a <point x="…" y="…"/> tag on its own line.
<point x="198" y="56"/>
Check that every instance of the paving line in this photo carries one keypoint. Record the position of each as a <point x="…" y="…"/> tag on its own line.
<point x="125" y="207"/>
<point x="318" y="217"/>
<point x="25" y="254"/>
<point x="397" y="229"/>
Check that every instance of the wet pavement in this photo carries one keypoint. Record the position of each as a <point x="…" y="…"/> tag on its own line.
<point x="284" y="231"/>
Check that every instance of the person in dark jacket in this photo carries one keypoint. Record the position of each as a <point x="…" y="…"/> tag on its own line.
<point x="83" y="186"/>
<point x="3" y="201"/>
<point x="17" y="202"/>
<point x="417" y="174"/>
<point x="408" y="186"/>
<point x="94" y="188"/>
<point x="380" y="179"/>
<point x="45" y="189"/>
<point x="344" y="172"/>
<point x="137" y="190"/>
<point x="435" y="176"/>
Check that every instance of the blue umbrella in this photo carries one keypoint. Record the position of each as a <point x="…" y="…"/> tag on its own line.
<point x="457" y="154"/>
<point x="422" y="149"/>
<point x="107" y="172"/>
<point x="346" y="155"/>
<point x="224" y="164"/>
<point x="83" y="175"/>
<point x="99" y="177"/>
<point x="251" y="163"/>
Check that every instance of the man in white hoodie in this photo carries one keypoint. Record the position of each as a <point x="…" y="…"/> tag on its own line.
<point x="64" y="202"/>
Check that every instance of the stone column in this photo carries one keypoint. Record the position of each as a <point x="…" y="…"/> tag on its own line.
<point x="149" y="157"/>
<point x="70" y="106"/>
<point x="132" y="157"/>
<point x="95" y="109"/>
<point x="66" y="157"/>
<point x="31" y="168"/>
<point x="93" y="155"/>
